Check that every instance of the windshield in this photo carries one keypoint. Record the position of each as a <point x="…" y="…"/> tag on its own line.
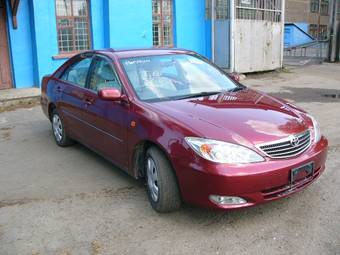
<point x="171" y="77"/>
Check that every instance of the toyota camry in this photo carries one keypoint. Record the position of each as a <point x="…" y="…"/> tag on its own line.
<point x="190" y="131"/>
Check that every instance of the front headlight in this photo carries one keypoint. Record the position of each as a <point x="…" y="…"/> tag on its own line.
<point x="316" y="129"/>
<point x="223" y="152"/>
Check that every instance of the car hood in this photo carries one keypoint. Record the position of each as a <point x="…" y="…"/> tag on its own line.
<point x="245" y="117"/>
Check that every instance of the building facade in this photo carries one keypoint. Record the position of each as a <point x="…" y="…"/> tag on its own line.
<point x="37" y="36"/>
<point x="313" y="16"/>
<point x="43" y="34"/>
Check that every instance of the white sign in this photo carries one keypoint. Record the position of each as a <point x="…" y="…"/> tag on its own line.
<point x="248" y="2"/>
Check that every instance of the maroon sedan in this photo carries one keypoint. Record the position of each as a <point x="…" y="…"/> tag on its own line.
<point x="175" y="120"/>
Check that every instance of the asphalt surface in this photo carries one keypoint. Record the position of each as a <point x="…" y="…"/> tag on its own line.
<point x="71" y="201"/>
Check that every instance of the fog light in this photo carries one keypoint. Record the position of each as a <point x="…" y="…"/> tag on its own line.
<point x="226" y="200"/>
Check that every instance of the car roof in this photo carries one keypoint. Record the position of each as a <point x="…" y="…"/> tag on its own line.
<point x="133" y="52"/>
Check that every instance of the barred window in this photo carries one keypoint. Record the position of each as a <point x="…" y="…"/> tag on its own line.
<point x="221" y="8"/>
<point x="72" y="25"/>
<point x="324" y="7"/>
<point x="321" y="34"/>
<point x="270" y="10"/>
<point x="313" y="30"/>
<point x="162" y="23"/>
<point x="314" y="6"/>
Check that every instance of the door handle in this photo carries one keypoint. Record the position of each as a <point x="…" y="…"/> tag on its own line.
<point x="89" y="101"/>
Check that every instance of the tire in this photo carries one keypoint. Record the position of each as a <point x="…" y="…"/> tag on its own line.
<point x="161" y="182"/>
<point x="58" y="130"/>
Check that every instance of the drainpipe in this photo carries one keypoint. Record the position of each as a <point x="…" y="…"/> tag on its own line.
<point x="283" y="14"/>
<point x="333" y="32"/>
<point x="213" y="13"/>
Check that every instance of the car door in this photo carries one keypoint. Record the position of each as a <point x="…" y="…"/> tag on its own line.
<point x="106" y="130"/>
<point x="71" y="87"/>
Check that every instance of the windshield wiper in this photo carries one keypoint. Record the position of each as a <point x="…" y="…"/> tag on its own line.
<point x="204" y="93"/>
<point x="237" y="88"/>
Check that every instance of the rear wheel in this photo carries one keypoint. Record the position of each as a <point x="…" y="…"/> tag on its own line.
<point x="58" y="128"/>
<point x="163" y="191"/>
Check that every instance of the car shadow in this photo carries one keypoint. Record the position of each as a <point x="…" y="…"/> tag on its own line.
<point x="107" y="165"/>
<point x="188" y="214"/>
<point x="198" y="215"/>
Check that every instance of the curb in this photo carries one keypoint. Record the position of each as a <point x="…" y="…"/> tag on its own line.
<point x="16" y="103"/>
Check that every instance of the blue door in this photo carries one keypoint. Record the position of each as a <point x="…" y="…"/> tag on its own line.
<point x="222" y="33"/>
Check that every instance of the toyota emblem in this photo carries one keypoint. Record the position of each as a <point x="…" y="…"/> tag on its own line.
<point x="294" y="141"/>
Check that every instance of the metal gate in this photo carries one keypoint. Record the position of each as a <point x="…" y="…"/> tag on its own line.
<point x="258" y="35"/>
<point x="247" y="35"/>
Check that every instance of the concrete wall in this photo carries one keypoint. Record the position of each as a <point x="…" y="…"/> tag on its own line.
<point x="114" y="23"/>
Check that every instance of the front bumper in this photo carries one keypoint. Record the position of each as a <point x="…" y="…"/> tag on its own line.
<point x="256" y="183"/>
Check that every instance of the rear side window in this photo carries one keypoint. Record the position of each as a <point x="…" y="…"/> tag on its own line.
<point x="77" y="73"/>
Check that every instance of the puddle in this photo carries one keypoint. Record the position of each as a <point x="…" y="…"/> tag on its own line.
<point x="332" y="95"/>
<point x="309" y="95"/>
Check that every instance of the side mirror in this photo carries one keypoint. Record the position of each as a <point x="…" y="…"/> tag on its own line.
<point x="235" y="77"/>
<point x="110" y="94"/>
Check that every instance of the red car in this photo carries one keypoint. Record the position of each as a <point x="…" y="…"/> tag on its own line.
<point x="175" y="120"/>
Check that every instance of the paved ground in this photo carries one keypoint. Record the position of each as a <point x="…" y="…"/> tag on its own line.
<point x="70" y="201"/>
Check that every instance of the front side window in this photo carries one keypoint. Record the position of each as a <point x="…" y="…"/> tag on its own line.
<point x="171" y="77"/>
<point x="162" y="24"/>
<point x="72" y="25"/>
<point x="103" y="76"/>
<point x="77" y="73"/>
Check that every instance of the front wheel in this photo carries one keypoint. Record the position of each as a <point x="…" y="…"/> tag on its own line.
<point x="163" y="191"/>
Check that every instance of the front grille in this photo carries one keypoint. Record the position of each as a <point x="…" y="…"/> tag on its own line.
<point x="287" y="147"/>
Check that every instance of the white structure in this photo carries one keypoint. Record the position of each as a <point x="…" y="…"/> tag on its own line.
<point x="248" y="37"/>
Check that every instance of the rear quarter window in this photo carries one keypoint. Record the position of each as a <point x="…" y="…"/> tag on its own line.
<point x="77" y="73"/>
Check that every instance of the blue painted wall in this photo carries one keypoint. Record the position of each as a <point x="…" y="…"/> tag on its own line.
<point x="20" y="41"/>
<point x="296" y="35"/>
<point x="98" y="28"/>
<point x="189" y="25"/>
<point x="208" y="52"/>
<point x="303" y="26"/>
<point x="44" y="34"/>
<point x="114" y="23"/>
<point x="130" y="23"/>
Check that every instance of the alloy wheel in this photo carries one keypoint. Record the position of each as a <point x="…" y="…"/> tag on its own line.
<point x="57" y="128"/>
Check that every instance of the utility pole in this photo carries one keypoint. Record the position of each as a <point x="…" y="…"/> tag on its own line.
<point x="319" y="17"/>
<point x="333" y="47"/>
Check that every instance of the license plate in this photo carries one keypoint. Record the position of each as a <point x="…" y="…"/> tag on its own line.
<point x="302" y="172"/>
